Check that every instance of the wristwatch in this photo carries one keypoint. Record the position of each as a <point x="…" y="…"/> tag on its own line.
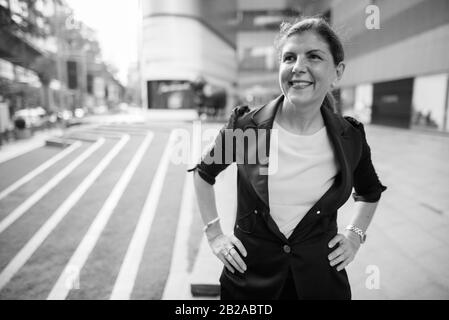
<point x="357" y="231"/>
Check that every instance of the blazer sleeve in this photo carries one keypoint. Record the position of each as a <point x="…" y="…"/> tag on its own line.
<point x="367" y="185"/>
<point x="221" y="153"/>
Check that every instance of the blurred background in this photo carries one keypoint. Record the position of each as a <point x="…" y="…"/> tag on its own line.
<point x="94" y="93"/>
<point x="178" y="54"/>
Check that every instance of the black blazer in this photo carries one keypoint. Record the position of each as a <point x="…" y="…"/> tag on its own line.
<point x="270" y="254"/>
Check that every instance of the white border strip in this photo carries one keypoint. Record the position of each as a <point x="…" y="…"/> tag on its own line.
<point x="177" y="286"/>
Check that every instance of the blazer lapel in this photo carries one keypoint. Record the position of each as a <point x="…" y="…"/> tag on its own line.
<point x="262" y="122"/>
<point x="341" y="141"/>
<point x="257" y="174"/>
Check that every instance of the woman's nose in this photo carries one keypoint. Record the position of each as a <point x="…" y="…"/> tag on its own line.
<point x="299" y="65"/>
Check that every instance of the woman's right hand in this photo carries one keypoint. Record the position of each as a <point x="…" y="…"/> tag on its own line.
<point x="224" y="247"/>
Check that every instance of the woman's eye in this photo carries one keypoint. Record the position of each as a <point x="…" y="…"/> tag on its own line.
<point x="315" y="57"/>
<point x="288" y="58"/>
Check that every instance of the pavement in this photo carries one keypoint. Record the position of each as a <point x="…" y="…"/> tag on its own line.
<point x="405" y="256"/>
<point x="18" y="147"/>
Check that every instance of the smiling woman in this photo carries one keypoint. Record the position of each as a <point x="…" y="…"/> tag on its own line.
<point x="311" y="63"/>
<point x="286" y="243"/>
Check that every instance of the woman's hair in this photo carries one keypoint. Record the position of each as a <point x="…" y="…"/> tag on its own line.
<point x="321" y="28"/>
<point x="314" y="24"/>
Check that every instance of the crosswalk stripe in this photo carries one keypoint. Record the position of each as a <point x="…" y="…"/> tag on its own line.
<point x="79" y="258"/>
<point x="106" y="133"/>
<point x="41" y="192"/>
<point x="177" y="286"/>
<point x="39" y="237"/>
<point x="121" y="129"/>
<point x="125" y="280"/>
<point x="47" y="164"/>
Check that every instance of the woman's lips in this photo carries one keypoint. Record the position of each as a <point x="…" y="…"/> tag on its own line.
<point x="300" y="84"/>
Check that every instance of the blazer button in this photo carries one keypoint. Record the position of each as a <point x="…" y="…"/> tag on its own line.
<point x="287" y="249"/>
<point x="318" y="212"/>
<point x="255" y="211"/>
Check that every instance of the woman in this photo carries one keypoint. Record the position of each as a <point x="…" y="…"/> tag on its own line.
<point x="285" y="243"/>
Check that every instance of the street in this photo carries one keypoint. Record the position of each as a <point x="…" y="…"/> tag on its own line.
<point x="99" y="212"/>
<point x="106" y="207"/>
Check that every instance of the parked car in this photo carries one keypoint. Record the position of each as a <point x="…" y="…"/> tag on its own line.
<point x="33" y="117"/>
<point x="70" y="118"/>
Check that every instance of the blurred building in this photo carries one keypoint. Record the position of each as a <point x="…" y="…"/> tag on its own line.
<point x="23" y="52"/>
<point x="133" y="87"/>
<point x="257" y="26"/>
<point x="50" y="60"/>
<point x="183" y="41"/>
<point x="83" y="79"/>
<point x="396" y="54"/>
<point x="396" y="75"/>
<point x="102" y="89"/>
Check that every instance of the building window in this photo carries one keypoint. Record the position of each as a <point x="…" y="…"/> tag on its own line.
<point x="90" y="84"/>
<point x="258" y="59"/>
<point x="265" y="19"/>
<point x="429" y="102"/>
<point x="72" y="75"/>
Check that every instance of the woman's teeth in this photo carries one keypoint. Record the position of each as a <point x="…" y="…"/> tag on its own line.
<point x="300" y="84"/>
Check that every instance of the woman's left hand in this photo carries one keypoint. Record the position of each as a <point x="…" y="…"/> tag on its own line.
<point x="349" y="244"/>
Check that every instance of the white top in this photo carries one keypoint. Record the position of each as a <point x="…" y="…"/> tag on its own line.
<point x="306" y="169"/>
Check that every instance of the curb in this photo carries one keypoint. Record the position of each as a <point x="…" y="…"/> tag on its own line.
<point x="205" y="290"/>
<point x="58" y="142"/>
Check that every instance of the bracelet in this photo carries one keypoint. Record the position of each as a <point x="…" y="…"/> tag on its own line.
<point x="210" y="223"/>
<point x="357" y="231"/>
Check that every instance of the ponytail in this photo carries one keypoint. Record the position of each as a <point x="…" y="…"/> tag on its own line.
<point x="329" y="101"/>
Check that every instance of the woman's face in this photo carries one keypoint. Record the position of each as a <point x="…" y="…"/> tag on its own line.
<point x="307" y="69"/>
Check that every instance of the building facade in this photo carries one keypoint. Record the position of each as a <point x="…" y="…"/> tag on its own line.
<point x="50" y="60"/>
<point x="258" y="25"/>
<point x="397" y="69"/>
<point x="22" y="52"/>
<point x="397" y="73"/>
<point x="182" y="42"/>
